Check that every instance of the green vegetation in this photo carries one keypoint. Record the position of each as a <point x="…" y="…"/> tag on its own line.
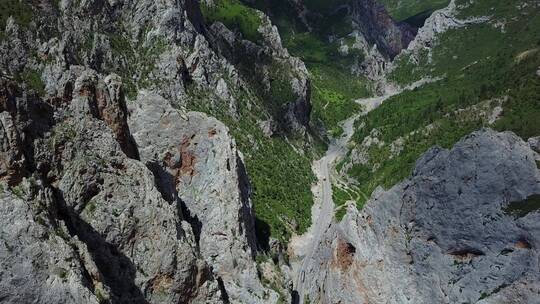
<point x="280" y="175"/>
<point x="522" y="208"/>
<point x="236" y="16"/>
<point x="340" y="196"/>
<point x="137" y="60"/>
<point x="402" y="10"/>
<point x="281" y="180"/>
<point x="19" y="10"/>
<point x="481" y="67"/>
<point x="90" y="207"/>
<point x="32" y="79"/>
<point x="334" y="88"/>
<point x="60" y="272"/>
<point x="485" y="295"/>
<point x="281" y="91"/>
<point x="333" y="93"/>
<point x="19" y="191"/>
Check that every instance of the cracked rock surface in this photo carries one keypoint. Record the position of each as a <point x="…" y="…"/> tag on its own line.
<point x="463" y="228"/>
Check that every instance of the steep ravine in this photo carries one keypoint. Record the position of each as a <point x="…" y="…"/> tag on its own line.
<point x="304" y="247"/>
<point x="386" y="254"/>
<point x="159" y="152"/>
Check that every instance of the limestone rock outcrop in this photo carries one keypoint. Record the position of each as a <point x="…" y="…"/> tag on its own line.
<point x="463" y="228"/>
<point x="87" y="222"/>
<point x="198" y="167"/>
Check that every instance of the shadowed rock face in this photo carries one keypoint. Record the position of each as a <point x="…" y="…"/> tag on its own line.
<point x="379" y="28"/>
<point x="436" y="237"/>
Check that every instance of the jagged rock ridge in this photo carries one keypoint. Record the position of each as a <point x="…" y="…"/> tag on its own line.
<point x="135" y="221"/>
<point x="115" y="219"/>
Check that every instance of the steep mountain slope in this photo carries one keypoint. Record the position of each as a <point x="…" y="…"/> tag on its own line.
<point x="166" y="151"/>
<point x="483" y="72"/>
<point x="166" y="47"/>
<point x="345" y="44"/>
<point x="461" y="229"/>
<point x="128" y="200"/>
<point x="451" y="84"/>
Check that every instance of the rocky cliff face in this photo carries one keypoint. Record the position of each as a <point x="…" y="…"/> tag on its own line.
<point x="198" y="168"/>
<point x="462" y="228"/>
<point x="380" y="29"/>
<point x="108" y="203"/>
<point x="439" y="22"/>
<point x="281" y="81"/>
<point x="108" y="227"/>
<point x="111" y="191"/>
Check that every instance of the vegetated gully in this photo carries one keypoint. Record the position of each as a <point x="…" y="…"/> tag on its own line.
<point x="303" y="247"/>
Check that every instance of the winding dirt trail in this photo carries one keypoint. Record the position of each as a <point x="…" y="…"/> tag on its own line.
<point x="323" y="213"/>
<point x="303" y="247"/>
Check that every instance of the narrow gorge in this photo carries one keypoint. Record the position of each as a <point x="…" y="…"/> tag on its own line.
<point x="270" y="151"/>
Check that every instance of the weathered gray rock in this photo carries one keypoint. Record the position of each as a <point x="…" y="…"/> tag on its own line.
<point x="463" y="228"/>
<point x="136" y="237"/>
<point x="534" y="143"/>
<point x="39" y="265"/>
<point x="119" y="240"/>
<point x="198" y="167"/>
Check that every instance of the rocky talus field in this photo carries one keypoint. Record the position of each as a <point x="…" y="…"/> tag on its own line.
<point x="270" y="151"/>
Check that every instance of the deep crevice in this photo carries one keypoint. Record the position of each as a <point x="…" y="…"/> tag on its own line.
<point x="117" y="269"/>
<point x="224" y="295"/>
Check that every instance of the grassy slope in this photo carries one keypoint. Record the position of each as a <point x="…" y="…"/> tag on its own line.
<point x="274" y="164"/>
<point x="234" y="15"/>
<point x="478" y="63"/>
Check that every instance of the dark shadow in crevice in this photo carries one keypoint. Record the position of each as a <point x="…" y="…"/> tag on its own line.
<point x="224" y="295"/>
<point x="117" y="270"/>
<point x="262" y="229"/>
<point x="193" y="220"/>
<point x="466" y="252"/>
<point x="417" y="21"/>
<point x="246" y="215"/>
<point x="166" y="185"/>
<point x="194" y="14"/>
<point x="164" y="182"/>
<point x="295" y="298"/>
